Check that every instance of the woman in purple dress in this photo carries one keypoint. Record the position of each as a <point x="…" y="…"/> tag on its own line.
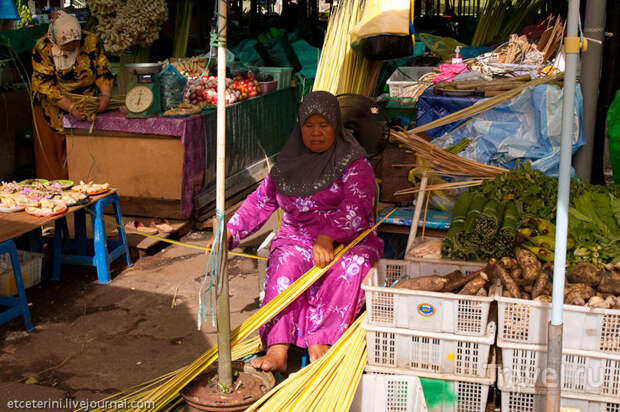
<point x="326" y="188"/>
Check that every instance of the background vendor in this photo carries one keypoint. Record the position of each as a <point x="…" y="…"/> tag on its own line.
<point x="65" y="60"/>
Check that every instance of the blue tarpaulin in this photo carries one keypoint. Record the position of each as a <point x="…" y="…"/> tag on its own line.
<point x="526" y="128"/>
<point x="432" y="107"/>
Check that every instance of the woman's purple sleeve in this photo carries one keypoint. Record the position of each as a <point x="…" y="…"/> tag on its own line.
<point x="254" y="212"/>
<point x="356" y="212"/>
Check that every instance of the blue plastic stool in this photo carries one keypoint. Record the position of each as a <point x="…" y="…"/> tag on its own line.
<point x="18" y="306"/>
<point x="75" y="251"/>
<point x="304" y="358"/>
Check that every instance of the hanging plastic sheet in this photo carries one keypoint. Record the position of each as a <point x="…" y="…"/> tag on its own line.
<point x="526" y="128"/>
<point x="381" y="17"/>
<point x="432" y="107"/>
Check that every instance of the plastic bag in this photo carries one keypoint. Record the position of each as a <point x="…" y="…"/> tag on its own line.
<point x="172" y="84"/>
<point x="381" y="17"/>
<point x="441" y="46"/>
<point x="277" y="52"/>
<point x="613" y="129"/>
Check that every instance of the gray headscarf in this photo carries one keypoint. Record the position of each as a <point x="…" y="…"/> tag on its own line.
<point x="302" y="172"/>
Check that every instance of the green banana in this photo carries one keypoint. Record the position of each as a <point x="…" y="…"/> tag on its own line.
<point x="543" y="241"/>
<point x="527" y="232"/>
<point x="545" y="227"/>
<point x="540" y="252"/>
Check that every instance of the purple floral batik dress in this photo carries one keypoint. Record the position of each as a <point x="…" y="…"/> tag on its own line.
<point x="342" y="211"/>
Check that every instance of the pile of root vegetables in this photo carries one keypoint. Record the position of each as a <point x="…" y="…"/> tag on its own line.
<point x="586" y="285"/>
<point x="474" y="284"/>
<point x="526" y="277"/>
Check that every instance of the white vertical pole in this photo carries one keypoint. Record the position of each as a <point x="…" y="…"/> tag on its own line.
<point x="222" y="301"/>
<point x="554" y="343"/>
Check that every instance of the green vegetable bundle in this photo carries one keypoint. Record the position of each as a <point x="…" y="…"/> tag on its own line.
<point x="594" y="215"/>
<point x="461" y="206"/>
<point x="477" y="232"/>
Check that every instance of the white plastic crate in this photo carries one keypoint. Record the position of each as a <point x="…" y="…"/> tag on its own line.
<point x="419" y="310"/>
<point x="404" y="77"/>
<point x="30" y="266"/>
<point x="439" y="354"/>
<point x="525" y="321"/>
<point x="583" y="372"/>
<point x="456" y="395"/>
<point x="531" y="400"/>
<point x="389" y="393"/>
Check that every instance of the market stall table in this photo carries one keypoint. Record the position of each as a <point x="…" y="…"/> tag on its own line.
<point x="13" y="225"/>
<point x="165" y="166"/>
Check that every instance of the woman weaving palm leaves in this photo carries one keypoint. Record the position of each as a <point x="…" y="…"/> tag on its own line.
<point x="326" y="188"/>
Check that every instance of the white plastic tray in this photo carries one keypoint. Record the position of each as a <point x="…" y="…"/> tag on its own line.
<point x="387" y="393"/>
<point x="525" y="321"/>
<point x="437" y="354"/>
<point x="419" y="310"/>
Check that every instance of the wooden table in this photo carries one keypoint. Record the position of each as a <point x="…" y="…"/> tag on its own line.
<point x="16" y="224"/>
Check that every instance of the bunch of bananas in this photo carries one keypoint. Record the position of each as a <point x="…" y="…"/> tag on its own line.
<point x="25" y="15"/>
<point x="538" y="236"/>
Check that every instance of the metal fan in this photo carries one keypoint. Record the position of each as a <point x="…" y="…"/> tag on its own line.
<point x="361" y="115"/>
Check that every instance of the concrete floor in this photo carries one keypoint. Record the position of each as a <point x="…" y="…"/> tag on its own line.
<point x="93" y="340"/>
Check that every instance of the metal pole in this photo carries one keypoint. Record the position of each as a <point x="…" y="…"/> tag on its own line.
<point x="222" y="301"/>
<point x="554" y="342"/>
<point x="594" y="28"/>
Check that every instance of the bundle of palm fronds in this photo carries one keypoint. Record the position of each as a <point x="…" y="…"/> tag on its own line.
<point x="88" y="104"/>
<point x="162" y="394"/>
<point x="328" y="384"/>
<point x="342" y="69"/>
<point x="500" y="18"/>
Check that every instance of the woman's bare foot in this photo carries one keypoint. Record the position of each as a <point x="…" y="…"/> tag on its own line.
<point x="316" y="352"/>
<point x="274" y="360"/>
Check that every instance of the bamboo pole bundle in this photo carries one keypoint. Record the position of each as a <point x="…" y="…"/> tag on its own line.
<point x="342" y="69"/>
<point x="164" y="391"/>
<point x="328" y="384"/>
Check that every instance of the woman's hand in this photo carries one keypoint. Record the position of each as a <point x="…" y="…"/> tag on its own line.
<point x="323" y="250"/>
<point x="77" y="114"/>
<point x="104" y="100"/>
<point x="209" y="244"/>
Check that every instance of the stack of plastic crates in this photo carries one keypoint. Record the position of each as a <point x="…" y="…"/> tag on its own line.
<point x="432" y="335"/>
<point x="590" y="376"/>
<point x="389" y="393"/>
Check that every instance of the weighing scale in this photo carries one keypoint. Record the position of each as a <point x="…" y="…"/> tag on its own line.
<point x="143" y="99"/>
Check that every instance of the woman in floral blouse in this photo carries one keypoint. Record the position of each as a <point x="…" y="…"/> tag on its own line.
<point x="326" y="188"/>
<point x="65" y="60"/>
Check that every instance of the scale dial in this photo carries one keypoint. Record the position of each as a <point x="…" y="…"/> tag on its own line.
<point x="139" y="99"/>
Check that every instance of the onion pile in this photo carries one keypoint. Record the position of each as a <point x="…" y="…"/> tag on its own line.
<point x="203" y="92"/>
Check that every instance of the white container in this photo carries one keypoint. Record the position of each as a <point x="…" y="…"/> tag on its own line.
<point x="583" y="372"/>
<point x="525" y="321"/>
<point x="387" y="393"/>
<point x="530" y="400"/>
<point x="437" y="354"/>
<point x="462" y="395"/>
<point x="404" y="77"/>
<point x="30" y="266"/>
<point x="419" y="310"/>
